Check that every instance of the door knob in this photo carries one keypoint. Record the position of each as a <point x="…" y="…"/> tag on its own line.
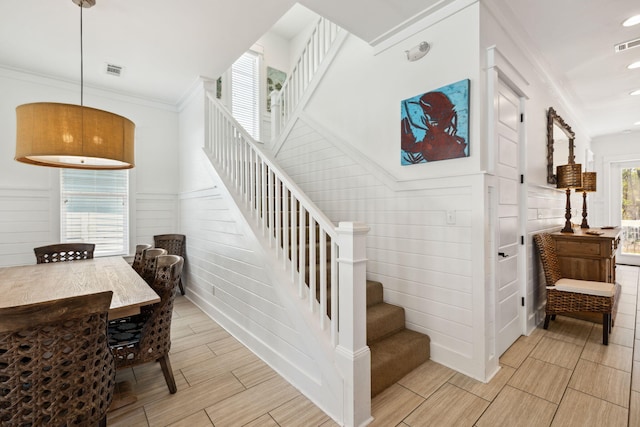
<point x="502" y="254"/>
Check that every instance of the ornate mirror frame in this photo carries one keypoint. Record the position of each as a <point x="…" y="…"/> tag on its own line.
<point x="557" y="122"/>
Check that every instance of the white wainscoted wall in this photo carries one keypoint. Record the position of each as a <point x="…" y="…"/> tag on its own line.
<point x="29" y="195"/>
<point x="545" y="205"/>
<point x="422" y="257"/>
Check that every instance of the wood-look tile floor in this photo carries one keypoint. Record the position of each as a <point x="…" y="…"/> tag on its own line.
<point x="563" y="376"/>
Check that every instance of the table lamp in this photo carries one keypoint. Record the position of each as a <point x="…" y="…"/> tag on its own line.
<point x="588" y="186"/>
<point x="569" y="176"/>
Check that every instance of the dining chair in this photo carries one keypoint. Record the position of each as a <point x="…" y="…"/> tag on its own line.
<point x="175" y="244"/>
<point x="138" y="263"/>
<point x="149" y="258"/>
<point x="147" y="337"/>
<point x="56" y="367"/>
<point x="60" y="252"/>
<point x="565" y="295"/>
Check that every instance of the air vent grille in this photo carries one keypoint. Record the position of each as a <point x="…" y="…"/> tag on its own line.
<point x="627" y="45"/>
<point x="114" y="70"/>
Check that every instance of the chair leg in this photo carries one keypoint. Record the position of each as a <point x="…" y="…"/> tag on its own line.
<point x="165" y="364"/>
<point x="181" y="287"/>
<point x="606" y="327"/>
<point x="103" y="422"/>
<point x="546" y="321"/>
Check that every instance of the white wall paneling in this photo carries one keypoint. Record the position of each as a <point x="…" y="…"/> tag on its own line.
<point x="424" y="262"/>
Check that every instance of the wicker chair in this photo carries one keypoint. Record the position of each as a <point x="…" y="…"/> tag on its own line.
<point x="175" y="244"/>
<point x="149" y="258"/>
<point x="570" y="295"/>
<point x="55" y="363"/>
<point x="138" y="264"/>
<point x="64" y="252"/>
<point x="147" y="336"/>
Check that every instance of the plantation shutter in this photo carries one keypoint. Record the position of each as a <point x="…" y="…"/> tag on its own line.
<point x="245" y="105"/>
<point x="94" y="208"/>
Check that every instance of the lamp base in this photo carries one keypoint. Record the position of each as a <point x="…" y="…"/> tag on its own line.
<point x="584" y="224"/>
<point x="567" y="225"/>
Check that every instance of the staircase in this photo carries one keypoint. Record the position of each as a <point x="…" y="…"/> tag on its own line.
<point x="395" y="350"/>
<point x="322" y="264"/>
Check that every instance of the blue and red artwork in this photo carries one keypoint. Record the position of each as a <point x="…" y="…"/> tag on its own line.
<point x="435" y="125"/>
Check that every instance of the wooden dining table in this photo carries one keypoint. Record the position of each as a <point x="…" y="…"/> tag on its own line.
<point x="28" y="284"/>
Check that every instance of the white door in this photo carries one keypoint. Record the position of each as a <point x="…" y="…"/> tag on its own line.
<point x="508" y="295"/>
<point x="625" y="209"/>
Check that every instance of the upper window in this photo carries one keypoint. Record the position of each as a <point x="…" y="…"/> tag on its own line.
<point x="94" y="208"/>
<point x="245" y="105"/>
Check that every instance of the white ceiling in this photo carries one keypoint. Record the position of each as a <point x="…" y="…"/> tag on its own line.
<point x="165" y="45"/>
<point x="575" y="39"/>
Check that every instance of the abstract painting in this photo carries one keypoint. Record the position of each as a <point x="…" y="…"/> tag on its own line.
<point x="275" y="80"/>
<point x="435" y="125"/>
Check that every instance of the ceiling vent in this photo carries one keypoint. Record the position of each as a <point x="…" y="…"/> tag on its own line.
<point x="114" y="70"/>
<point x="627" y="45"/>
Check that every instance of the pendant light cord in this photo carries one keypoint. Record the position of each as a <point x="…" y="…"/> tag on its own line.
<point x="81" y="61"/>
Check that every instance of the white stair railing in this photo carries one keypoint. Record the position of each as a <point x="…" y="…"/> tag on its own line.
<point x="333" y="288"/>
<point x="283" y="214"/>
<point x="285" y="101"/>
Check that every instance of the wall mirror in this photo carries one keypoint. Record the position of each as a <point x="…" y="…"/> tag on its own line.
<point x="560" y="140"/>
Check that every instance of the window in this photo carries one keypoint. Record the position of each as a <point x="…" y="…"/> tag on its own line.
<point x="94" y="208"/>
<point x="245" y="105"/>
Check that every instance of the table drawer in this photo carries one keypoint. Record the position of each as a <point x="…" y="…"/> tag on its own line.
<point x="574" y="248"/>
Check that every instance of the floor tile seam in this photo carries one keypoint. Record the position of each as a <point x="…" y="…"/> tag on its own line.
<point x="608" y="366"/>
<point x="555" y="364"/>
<point x="556" y="405"/>
<point x="633" y="348"/>
<point x="424" y="399"/>
<point x="490" y="402"/>
<point x="540" y="397"/>
<point x="476" y="395"/>
<point x="284" y="403"/>
<point x="146" y="416"/>
<point x="597" y="397"/>
<point x="605" y="366"/>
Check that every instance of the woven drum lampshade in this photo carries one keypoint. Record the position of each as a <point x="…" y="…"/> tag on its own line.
<point x="588" y="182"/>
<point x="73" y="136"/>
<point x="569" y="176"/>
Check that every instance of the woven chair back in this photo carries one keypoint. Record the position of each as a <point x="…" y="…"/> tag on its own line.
<point x="61" y="252"/>
<point x="55" y="364"/>
<point x="549" y="258"/>
<point x="138" y="263"/>
<point x="173" y="243"/>
<point x="156" y="337"/>
<point x="149" y="258"/>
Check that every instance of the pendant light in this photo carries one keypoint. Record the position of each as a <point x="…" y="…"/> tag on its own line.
<point x="74" y="136"/>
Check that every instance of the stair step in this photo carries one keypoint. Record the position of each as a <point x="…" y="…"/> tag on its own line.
<point x="395" y="356"/>
<point x="383" y="320"/>
<point x="374" y="293"/>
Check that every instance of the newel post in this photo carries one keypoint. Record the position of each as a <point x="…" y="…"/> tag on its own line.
<point x="276" y="114"/>
<point x="352" y="354"/>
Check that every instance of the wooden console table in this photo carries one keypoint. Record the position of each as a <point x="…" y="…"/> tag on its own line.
<point x="588" y="257"/>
